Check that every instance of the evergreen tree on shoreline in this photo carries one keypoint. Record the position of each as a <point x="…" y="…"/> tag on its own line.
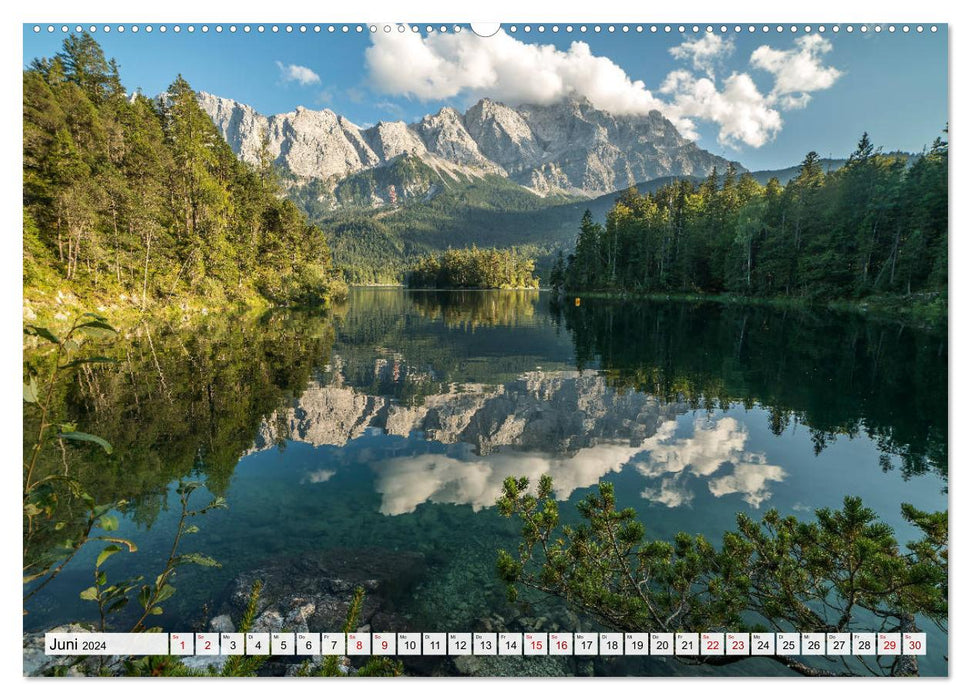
<point x="875" y="227"/>
<point x="144" y="198"/>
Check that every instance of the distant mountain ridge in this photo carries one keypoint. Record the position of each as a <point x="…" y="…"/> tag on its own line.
<point x="783" y="175"/>
<point x="570" y="148"/>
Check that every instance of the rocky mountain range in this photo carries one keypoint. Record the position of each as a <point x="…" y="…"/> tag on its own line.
<point x="561" y="412"/>
<point x="568" y="148"/>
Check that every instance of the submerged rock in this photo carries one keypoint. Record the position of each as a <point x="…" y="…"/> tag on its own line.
<point x="513" y="666"/>
<point x="222" y="623"/>
<point x="313" y="592"/>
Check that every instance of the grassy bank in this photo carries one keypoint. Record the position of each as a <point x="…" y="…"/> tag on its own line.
<point x="57" y="306"/>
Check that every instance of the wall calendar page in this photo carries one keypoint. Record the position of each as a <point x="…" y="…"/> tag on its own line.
<point x="485" y="350"/>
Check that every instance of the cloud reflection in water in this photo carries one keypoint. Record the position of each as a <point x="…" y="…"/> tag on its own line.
<point x="406" y="482"/>
<point x="715" y="451"/>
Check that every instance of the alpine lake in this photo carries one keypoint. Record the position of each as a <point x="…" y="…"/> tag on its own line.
<point x="367" y="445"/>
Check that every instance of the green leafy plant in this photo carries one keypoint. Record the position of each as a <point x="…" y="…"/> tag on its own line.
<point x="113" y="598"/>
<point x="152" y="595"/>
<point x="842" y="572"/>
<point x="44" y="494"/>
<point x="56" y="502"/>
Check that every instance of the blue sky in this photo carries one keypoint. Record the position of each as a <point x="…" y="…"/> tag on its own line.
<point x="763" y="99"/>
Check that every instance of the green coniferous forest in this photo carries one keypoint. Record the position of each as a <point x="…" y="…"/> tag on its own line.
<point x="876" y="228"/>
<point x="141" y="201"/>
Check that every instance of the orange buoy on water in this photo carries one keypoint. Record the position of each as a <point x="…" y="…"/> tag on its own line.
<point x="576" y="301"/>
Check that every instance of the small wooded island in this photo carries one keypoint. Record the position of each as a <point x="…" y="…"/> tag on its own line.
<point x="474" y="268"/>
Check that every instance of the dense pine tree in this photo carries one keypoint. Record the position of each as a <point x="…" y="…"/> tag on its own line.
<point x="124" y="195"/>
<point x="876" y="226"/>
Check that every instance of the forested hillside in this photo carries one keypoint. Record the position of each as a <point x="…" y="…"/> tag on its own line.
<point x="140" y="202"/>
<point x="379" y="245"/>
<point x="874" y="227"/>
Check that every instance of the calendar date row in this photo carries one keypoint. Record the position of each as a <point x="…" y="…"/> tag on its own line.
<point x="491" y="644"/>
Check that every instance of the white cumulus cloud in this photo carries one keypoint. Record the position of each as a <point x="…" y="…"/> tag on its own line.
<point x="466" y="66"/>
<point x="743" y="114"/>
<point x="798" y="71"/>
<point x="292" y="73"/>
<point x="704" y="53"/>
<point x="670" y="492"/>
<point x="442" y="66"/>
<point x="749" y="479"/>
<point x="320" y="476"/>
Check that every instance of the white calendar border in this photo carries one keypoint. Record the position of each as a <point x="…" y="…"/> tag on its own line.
<point x="448" y="10"/>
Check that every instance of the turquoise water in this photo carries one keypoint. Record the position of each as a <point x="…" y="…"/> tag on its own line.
<point x="422" y="402"/>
